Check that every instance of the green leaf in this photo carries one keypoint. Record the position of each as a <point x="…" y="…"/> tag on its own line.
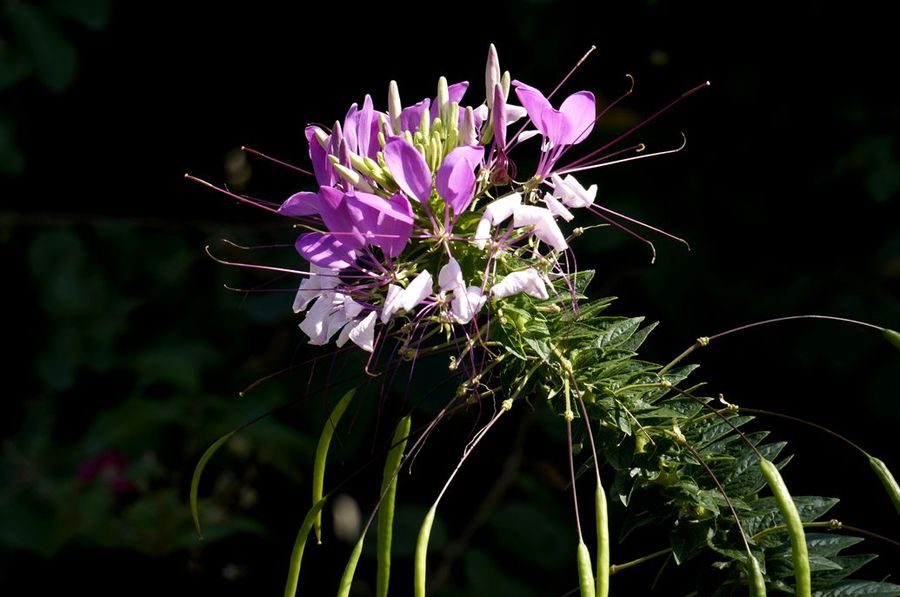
<point x="765" y="513"/>
<point x="52" y="56"/>
<point x="290" y="588"/>
<point x="825" y="544"/>
<point x="848" y="564"/>
<point x="618" y="333"/>
<point x="318" y="481"/>
<point x="746" y="478"/>
<point x="688" y="538"/>
<point x="861" y="588"/>
<point x="195" y="479"/>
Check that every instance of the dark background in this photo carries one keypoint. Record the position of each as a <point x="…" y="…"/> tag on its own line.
<point x="124" y="355"/>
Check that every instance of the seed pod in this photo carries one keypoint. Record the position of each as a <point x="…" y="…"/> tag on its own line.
<point x="290" y="588"/>
<point x="386" y="511"/>
<point x="794" y="525"/>
<point x="421" y="558"/>
<point x="318" y="480"/>
<point x="887" y="479"/>
<point x="755" y="577"/>
<point x="892" y="336"/>
<point x="585" y="574"/>
<point x="602" y="543"/>
<point x="350" y="569"/>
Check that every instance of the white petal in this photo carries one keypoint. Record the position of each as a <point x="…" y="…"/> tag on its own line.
<point x="526" y="135"/>
<point x="316" y="323"/>
<point x="500" y="210"/>
<point x="483" y="232"/>
<point x="351" y="307"/>
<point x="392" y="302"/>
<point x="514" y="113"/>
<point x="363" y="332"/>
<point x="321" y="279"/>
<point x="557" y="208"/>
<point x="570" y="191"/>
<point x="528" y="281"/>
<point x="467" y="302"/>
<point x="344" y="335"/>
<point x="450" y="276"/>
<point x="545" y="227"/>
<point x="418" y="289"/>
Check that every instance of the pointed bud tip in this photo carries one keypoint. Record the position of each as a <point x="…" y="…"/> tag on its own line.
<point x="892" y="336"/>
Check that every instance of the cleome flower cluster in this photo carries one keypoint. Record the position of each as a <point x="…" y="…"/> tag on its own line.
<point x="419" y="218"/>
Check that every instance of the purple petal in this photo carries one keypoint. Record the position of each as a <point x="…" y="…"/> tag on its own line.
<point x="556" y="127"/>
<point x="455" y="93"/>
<point x="300" y="204"/>
<point x="367" y="130"/>
<point x="533" y="101"/>
<point x="580" y="109"/>
<point x="321" y="166"/>
<point x="411" y="116"/>
<point x="325" y="250"/>
<point x="408" y="168"/>
<point x="498" y="115"/>
<point x="385" y="223"/>
<point x="396" y="230"/>
<point x="455" y="181"/>
<point x="350" y="126"/>
<point x="338" y="219"/>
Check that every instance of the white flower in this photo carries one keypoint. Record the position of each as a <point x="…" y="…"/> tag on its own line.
<point x="407" y="298"/>
<point x="361" y="332"/>
<point x="391" y="302"/>
<point x="328" y="315"/>
<point x="495" y="213"/>
<point x="557" y="208"/>
<point x="450" y="277"/>
<point x="420" y="288"/>
<point x="466" y="303"/>
<point x="320" y="279"/>
<point x="545" y="227"/>
<point x="570" y="191"/>
<point x="528" y="281"/>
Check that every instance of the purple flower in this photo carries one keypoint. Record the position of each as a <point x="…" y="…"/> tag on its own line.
<point x="569" y="125"/>
<point x="454" y="181"/>
<point x="354" y="221"/>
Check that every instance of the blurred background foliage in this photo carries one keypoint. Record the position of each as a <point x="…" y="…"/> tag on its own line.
<point x="124" y="355"/>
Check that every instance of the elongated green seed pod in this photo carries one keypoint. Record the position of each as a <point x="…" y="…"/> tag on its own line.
<point x="887" y="479"/>
<point x="892" y="336"/>
<point x="602" y="542"/>
<point x="318" y="480"/>
<point x="290" y="588"/>
<point x="195" y="479"/>
<point x="755" y="577"/>
<point x="585" y="574"/>
<point x="386" y="510"/>
<point x="794" y="525"/>
<point x="421" y="560"/>
<point x="350" y="569"/>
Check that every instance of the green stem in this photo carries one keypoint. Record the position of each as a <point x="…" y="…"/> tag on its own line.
<point x="619" y="567"/>
<point x="833" y="525"/>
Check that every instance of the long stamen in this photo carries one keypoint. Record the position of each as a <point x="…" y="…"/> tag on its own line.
<point x="274" y="160"/>
<point x="240" y="198"/>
